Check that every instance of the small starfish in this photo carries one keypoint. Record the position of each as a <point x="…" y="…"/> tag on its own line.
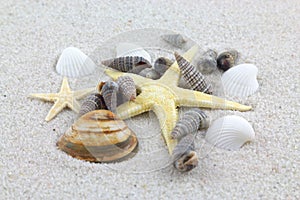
<point x="65" y="98"/>
<point x="163" y="96"/>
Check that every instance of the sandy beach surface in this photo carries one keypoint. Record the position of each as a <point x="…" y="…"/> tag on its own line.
<point x="34" y="33"/>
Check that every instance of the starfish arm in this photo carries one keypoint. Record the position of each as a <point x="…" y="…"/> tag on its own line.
<point x="65" y="86"/>
<point x="173" y="73"/>
<point x="167" y="115"/>
<point x="133" y="108"/>
<point x="45" y="97"/>
<point x="191" y="98"/>
<point x="83" y="93"/>
<point x="56" y="108"/>
<point x="74" y="105"/>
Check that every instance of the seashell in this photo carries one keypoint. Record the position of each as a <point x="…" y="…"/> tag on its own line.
<point x="92" y="102"/>
<point x="230" y="132"/>
<point x="240" y="80"/>
<point x="109" y="92"/>
<point x="127" y="87"/>
<point x="190" y="122"/>
<point x="128" y="49"/>
<point x="162" y="64"/>
<point x="193" y="77"/>
<point x="124" y="64"/>
<point x="138" y="69"/>
<point x="99" y="136"/>
<point x="227" y="59"/>
<point x="184" y="156"/>
<point x="150" y="73"/>
<point x="74" y="63"/>
<point x="175" y="39"/>
<point x="208" y="62"/>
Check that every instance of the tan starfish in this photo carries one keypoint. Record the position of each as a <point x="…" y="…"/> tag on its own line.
<point x="163" y="96"/>
<point x="65" y="98"/>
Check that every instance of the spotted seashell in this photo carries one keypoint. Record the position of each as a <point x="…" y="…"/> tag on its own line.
<point x="175" y="39"/>
<point x="150" y="73"/>
<point x="130" y="49"/>
<point x="192" y="76"/>
<point x="138" y="69"/>
<point x="227" y="59"/>
<point x="184" y="156"/>
<point x="190" y="122"/>
<point x="109" y="92"/>
<point x="92" y="102"/>
<point x="162" y="64"/>
<point x="124" y="64"/>
<point x="127" y="87"/>
<point x="208" y="63"/>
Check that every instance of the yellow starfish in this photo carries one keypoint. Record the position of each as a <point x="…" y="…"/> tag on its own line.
<point x="163" y="96"/>
<point x="65" y="98"/>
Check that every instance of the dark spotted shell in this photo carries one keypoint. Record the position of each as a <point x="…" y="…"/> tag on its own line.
<point x="208" y="63"/>
<point x="109" y="92"/>
<point x="92" y="102"/>
<point x="125" y="64"/>
<point x="162" y="64"/>
<point x="127" y="87"/>
<point x="227" y="59"/>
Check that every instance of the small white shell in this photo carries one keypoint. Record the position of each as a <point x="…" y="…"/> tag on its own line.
<point x="74" y="63"/>
<point x="129" y="49"/>
<point x="240" y="80"/>
<point x="230" y="132"/>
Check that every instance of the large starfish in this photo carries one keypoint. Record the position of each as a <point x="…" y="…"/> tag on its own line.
<point x="163" y="96"/>
<point x="65" y="98"/>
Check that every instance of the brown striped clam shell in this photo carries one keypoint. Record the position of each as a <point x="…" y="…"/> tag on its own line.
<point x="99" y="136"/>
<point x="127" y="87"/>
<point x="227" y="59"/>
<point x="127" y="63"/>
<point x="92" y="102"/>
<point x="162" y="64"/>
<point x="109" y="93"/>
<point x="176" y="40"/>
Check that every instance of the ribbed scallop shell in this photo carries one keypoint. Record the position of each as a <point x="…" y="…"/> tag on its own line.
<point x="74" y="63"/>
<point x="175" y="39"/>
<point x="161" y="65"/>
<point x="150" y="73"/>
<point x="124" y="64"/>
<point x="99" y="136"/>
<point x="92" y="102"/>
<point x="109" y="92"/>
<point x="128" y="49"/>
<point x="230" y="132"/>
<point x="240" y="80"/>
<point x="127" y="87"/>
<point x="192" y="76"/>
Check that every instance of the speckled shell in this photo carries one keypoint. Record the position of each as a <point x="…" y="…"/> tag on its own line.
<point x="184" y="156"/>
<point x="99" y="136"/>
<point x="127" y="87"/>
<point x="109" y="92"/>
<point x="150" y="73"/>
<point x="227" y="59"/>
<point x="129" y="49"/>
<point x="174" y="39"/>
<point x="192" y="76"/>
<point x="124" y="64"/>
<point x="162" y="64"/>
<point x="92" y="102"/>
<point x="190" y="122"/>
<point x="208" y="63"/>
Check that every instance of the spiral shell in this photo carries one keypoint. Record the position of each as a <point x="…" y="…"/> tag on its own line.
<point x="124" y="64"/>
<point x="138" y="69"/>
<point x="208" y="63"/>
<point x="174" y="39"/>
<point x="162" y="64"/>
<point x="191" y="121"/>
<point x="184" y="156"/>
<point x="227" y="59"/>
<point x="150" y="73"/>
<point x="127" y="87"/>
<point x="99" y="136"/>
<point x="92" y="102"/>
<point x="193" y="77"/>
<point x="109" y="92"/>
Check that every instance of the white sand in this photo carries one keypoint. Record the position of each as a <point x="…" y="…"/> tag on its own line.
<point x="34" y="33"/>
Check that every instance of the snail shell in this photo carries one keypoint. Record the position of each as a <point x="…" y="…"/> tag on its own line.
<point x="124" y="64"/>
<point x="162" y="64"/>
<point x="208" y="62"/>
<point x="92" y="102"/>
<point x="174" y="39"/>
<point x="138" y="69"/>
<point x="191" y="121"/>
<point x="127" y="87"/>
<point x="192" y="76"/>
<point x="227" y="59"/>
<point x="109" y="92"/>
<point x="184" y="156"/>
<point x="99" y="136"/>
<point x="150" y="73"/>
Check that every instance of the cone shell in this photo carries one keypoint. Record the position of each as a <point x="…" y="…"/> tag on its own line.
<point x="174" y="39"/>
<point x="162" y="64"/>
<point x="127" y="87"/>
<point x="192" y="76"/>
<point x="129" y="49"/>
<point x="227" y="59"/>
<point x="208" y="63"/>
<point x="74" y="63"/>
<point x="150" y="73"/>
<point x="230" y="132"/>
<point x="92" y="102"/>
<point x="240" y="80"/>
<point x="109" y="92"/>
<point x="124" y="64"/>
<point x="99" y="136"/>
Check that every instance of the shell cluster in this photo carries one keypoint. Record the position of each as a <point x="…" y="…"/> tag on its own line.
<point x="92" y="102"/>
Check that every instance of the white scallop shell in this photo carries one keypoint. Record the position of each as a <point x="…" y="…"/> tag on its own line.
<point x="74" y="63"/>
<point x="240" y="80"/>
<point x="230" y="132"/>
<point x="129" y="49"/>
